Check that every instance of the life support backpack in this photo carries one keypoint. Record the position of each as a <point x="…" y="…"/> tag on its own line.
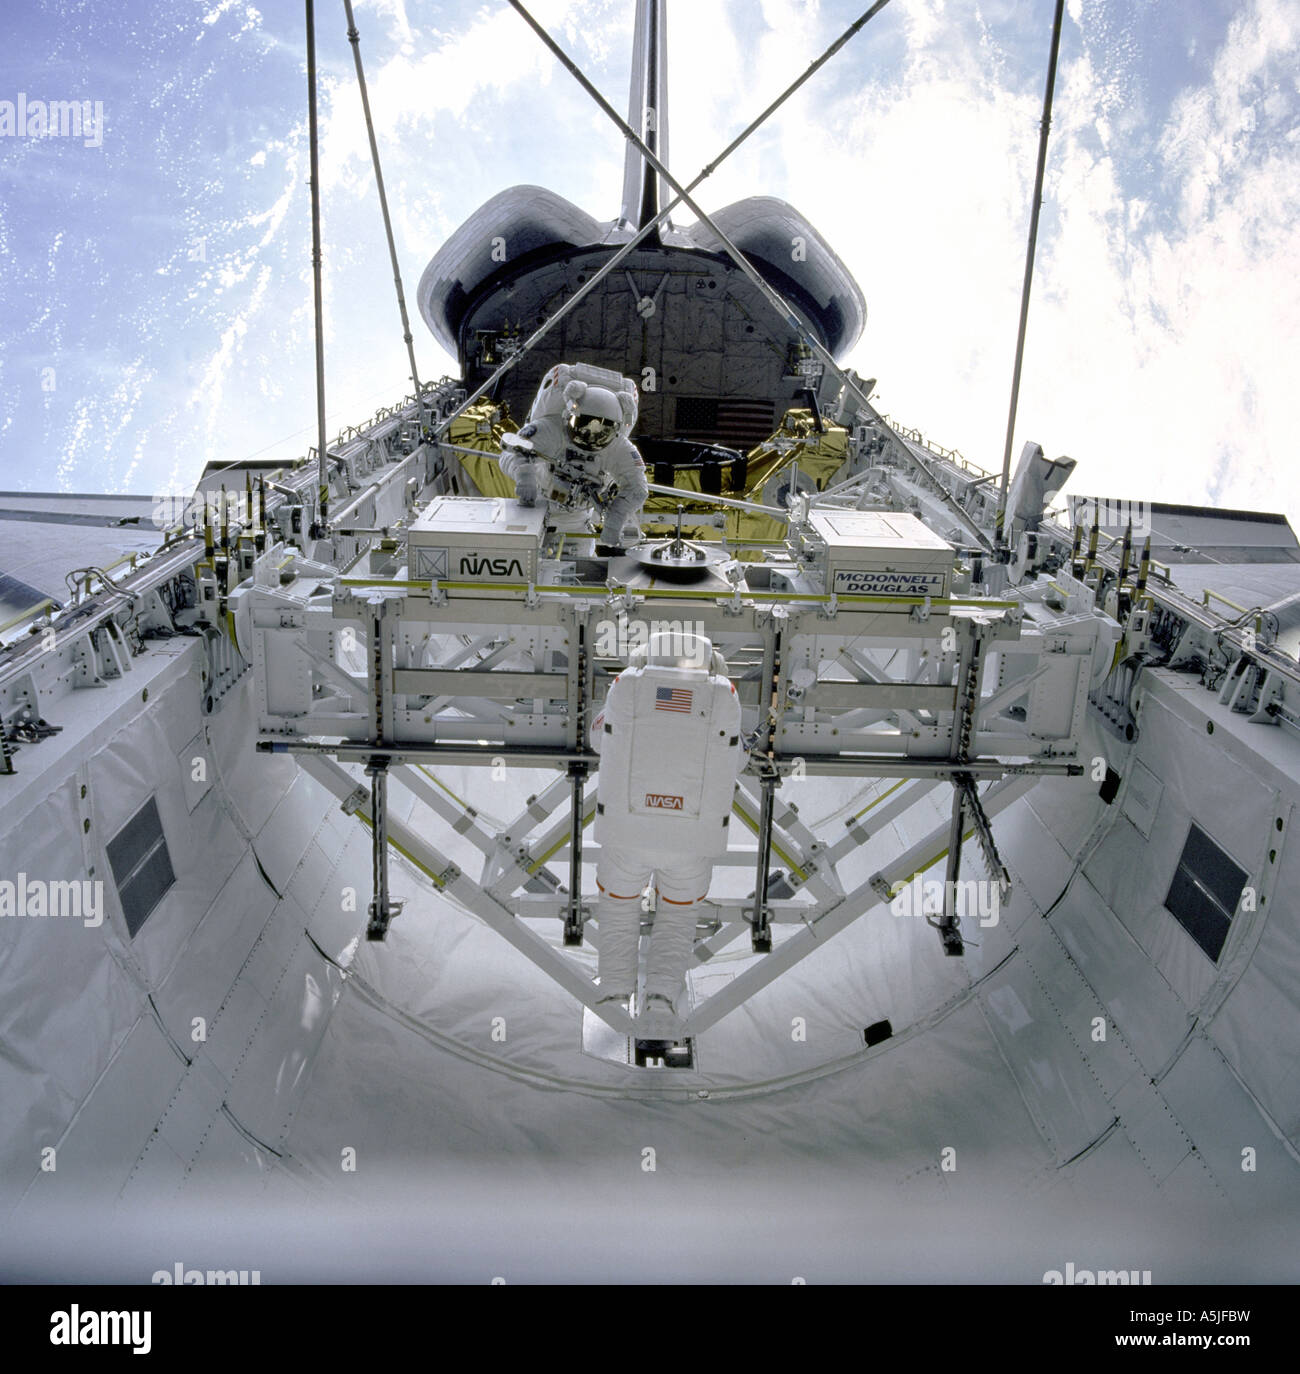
<point x="670" y="754"/>
<point x="566" y="381"/>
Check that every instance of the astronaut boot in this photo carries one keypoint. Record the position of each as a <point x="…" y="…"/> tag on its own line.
<point x="658" y="1019"/>
<point x="622" y="1001"/>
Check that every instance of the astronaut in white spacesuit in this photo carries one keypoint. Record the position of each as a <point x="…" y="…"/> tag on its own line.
<point x="574" y="452"/>
<point x="669" y="738"/>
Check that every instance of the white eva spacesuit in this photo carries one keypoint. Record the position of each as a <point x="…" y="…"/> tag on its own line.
<point x="670" y="754"/>
<point x="574" y="451"/>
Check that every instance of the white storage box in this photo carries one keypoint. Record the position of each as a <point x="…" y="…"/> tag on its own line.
<point x="879" y="553"/>
<point x="476" y="539"/>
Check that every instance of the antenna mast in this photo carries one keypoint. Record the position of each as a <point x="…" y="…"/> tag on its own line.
<point x="324" y="489"/>
<point x="355" y="39"/>
<point x="1029" y="268"/>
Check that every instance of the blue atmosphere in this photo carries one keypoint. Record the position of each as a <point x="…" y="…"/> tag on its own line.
<point x="155" y="285"/>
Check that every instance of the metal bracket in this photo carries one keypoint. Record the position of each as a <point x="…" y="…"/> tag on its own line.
<point x="382" y="909"/>
<point x="576" y="913"/>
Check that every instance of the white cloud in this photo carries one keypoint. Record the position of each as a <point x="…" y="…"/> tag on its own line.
<point x="1185" y="332"/>
<point x="1156" y="345"/>
<point x="1160" y="346"/>
<point x="1165" y="308"/>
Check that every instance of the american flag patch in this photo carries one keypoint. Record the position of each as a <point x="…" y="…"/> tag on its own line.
<point x="673" y="699"/>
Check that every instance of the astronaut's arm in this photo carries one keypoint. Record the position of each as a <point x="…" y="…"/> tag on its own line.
<point x="524" y="463"/>
<point x="628" y="492"/>
<point x="605" y="712"/>
<point x="730" y="716"/>
<point x="516" y="449"/>
<point x="626" y="471"/>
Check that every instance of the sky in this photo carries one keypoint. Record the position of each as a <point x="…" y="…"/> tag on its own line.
<point x="155" y="286"/>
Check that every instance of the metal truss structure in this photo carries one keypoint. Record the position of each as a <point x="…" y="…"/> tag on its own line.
<point x="398" y="675"/>
<point x="354" y="663"/>
<point x="305" y="577"/>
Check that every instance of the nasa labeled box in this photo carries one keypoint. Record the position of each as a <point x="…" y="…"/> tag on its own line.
<point x="878" y="553"/>
<point x="476" y="539"/>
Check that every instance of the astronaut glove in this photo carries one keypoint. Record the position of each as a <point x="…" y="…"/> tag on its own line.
<point x="526" y="484"/>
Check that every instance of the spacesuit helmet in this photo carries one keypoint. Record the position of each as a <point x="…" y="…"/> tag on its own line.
<point x="594" y="419"/>
<point x="678" y="648"/>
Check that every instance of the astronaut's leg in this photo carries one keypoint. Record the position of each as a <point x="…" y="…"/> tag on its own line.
<point x="621" y="878"/>
<point x="681" y="888"/>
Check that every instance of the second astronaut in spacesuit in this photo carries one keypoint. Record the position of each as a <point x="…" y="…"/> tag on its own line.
<point x="575" y="453"/>
<point x="669" y="738"/>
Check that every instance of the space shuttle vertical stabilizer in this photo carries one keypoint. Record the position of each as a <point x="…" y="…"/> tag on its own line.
<point x="647" y="113"/>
